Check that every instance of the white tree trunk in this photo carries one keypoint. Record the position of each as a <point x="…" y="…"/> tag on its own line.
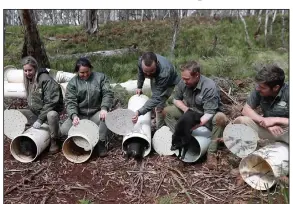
<point x="245" y="29"/>
<point x="266" y="27"/>
<point x="142" y="14"/>
<point x="175" y="31"/>
<point x="283" y="28"/>
<point x="273" y="20"/>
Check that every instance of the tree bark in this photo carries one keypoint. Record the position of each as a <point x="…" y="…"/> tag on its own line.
<point x="175" y="15"/>
<point x="283" y="28"/>
<point x="33" y="45"/>
<point x="272" y="22"/>
<point x="91" y="22"/>
<point x="245" y="29"/>
<point x="266" y="27"/>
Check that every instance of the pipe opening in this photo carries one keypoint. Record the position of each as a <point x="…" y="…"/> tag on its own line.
<point x="257" y="172"/>
<point x="194" y="151"/>
<point x="24" y="149"/>
<point x="135" y="147"/>
<point x="75" y="153"/>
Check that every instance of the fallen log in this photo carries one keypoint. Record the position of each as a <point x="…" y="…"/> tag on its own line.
<point x="105" y="53"/>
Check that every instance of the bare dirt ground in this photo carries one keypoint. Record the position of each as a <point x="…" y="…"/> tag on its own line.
<point x="54" y="179"/>
<point x="158" y="179"/>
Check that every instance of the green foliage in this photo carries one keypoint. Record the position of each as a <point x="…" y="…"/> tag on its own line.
<point x="83" y="201"/>
<point x="219" y="46"/>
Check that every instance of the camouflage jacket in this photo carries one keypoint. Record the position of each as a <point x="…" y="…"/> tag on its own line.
<point x="46" y="97"/>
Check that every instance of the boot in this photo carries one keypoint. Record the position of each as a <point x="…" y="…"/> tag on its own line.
<point x="102" y="150"/>
<point x="212" y="161"/>
<point x="54" y="148"/>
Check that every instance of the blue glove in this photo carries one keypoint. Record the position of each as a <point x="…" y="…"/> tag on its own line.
<point x="37" y="124"/>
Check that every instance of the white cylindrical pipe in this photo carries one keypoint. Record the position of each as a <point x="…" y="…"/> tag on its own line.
<point x="198" y="145"/>
<point x="39" y="138"/>
<point x="131" y="86"/>
<point x="16" y="75"/>
<point x="17" y="90"/>
<point x="14" y="90"/>
<point x="261" y="169"/>
<point x="6" y="70"/>
<point x="142" y="128"/>
<point x="63" y="88"/>
<point x="82" y="139"/>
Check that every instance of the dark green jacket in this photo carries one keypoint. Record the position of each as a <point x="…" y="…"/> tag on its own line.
<point x="166" y="76"/>
<point x="47" y="97"/>
<point x="87" y="97"/>
<point x="271" y="106"/>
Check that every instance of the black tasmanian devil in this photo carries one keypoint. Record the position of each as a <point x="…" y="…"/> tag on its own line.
<point x="136" y="148"/>
<point x="183" y="129"/>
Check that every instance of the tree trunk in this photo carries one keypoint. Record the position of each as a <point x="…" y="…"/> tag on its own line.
<point x="142" y="14"/>
<point x="91" y="21"/>
<point x="266" y="27"/>
<point x="257" y="32"/>
<point x="273" y="20"/>
<point x="283" y="28"/>
<point x="175" y="15"/>
<point x="245" y="28"/>
<point x="33" y="45"/>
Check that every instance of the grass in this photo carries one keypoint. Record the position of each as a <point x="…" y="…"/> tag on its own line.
<point x="230" y="57"/>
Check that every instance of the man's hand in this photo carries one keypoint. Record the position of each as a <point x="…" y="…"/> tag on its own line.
<point x="267" y="122"/>
<point x="75" y="121"/>
<point x="37" y="124"/>
<point x="103" y="114"/>
<point x="276" y="130"/>
<point x="196" y="126"/>
<point x="138" y="91"/>
<point x="185" y="109"/>
<point x="135" y="117"/>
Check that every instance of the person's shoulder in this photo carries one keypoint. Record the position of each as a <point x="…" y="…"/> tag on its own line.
<point x="208" y="82"/>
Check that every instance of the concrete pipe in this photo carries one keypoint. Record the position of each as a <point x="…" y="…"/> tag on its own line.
<point x="142" y="129"/>
<point x="81" y="141"/>
<point x="27" y="146"/>
<point x="262" y="168"/>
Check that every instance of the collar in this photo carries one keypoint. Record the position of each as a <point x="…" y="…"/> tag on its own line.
<point x="279" y="95"/>
<point x="199" y="83"/>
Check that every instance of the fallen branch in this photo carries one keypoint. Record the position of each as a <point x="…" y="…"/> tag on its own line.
<point x="29" y="179"/>
<point x="106" y="53"/>
<point x="209" y="195"/>
<point x="16" y="170"/>
<point x="160" y="184"/>
<point x="181" y="185"/>
<point x="229" y="97"/>
<point x="179" y="172"/>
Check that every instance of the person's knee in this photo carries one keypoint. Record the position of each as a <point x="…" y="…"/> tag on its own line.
<point x="220" y="119"/>
<point x="52" y="115"/>
<point x="242" y="120"/>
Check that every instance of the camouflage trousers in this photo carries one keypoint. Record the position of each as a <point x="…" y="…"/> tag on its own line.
<point x="216" y="124"/>
<point x="262" y="132"/>
<point x="52" y="121"/>
<point x="103" y="130"/>
<point x="160" y="107"/>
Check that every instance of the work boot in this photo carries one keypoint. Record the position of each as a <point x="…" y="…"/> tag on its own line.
<point x="212" y="161"/>
<point x="102" y="150"/>
<point x="54" y="148"/>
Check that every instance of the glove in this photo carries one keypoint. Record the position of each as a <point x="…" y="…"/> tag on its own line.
<point x="37" y="124"/>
